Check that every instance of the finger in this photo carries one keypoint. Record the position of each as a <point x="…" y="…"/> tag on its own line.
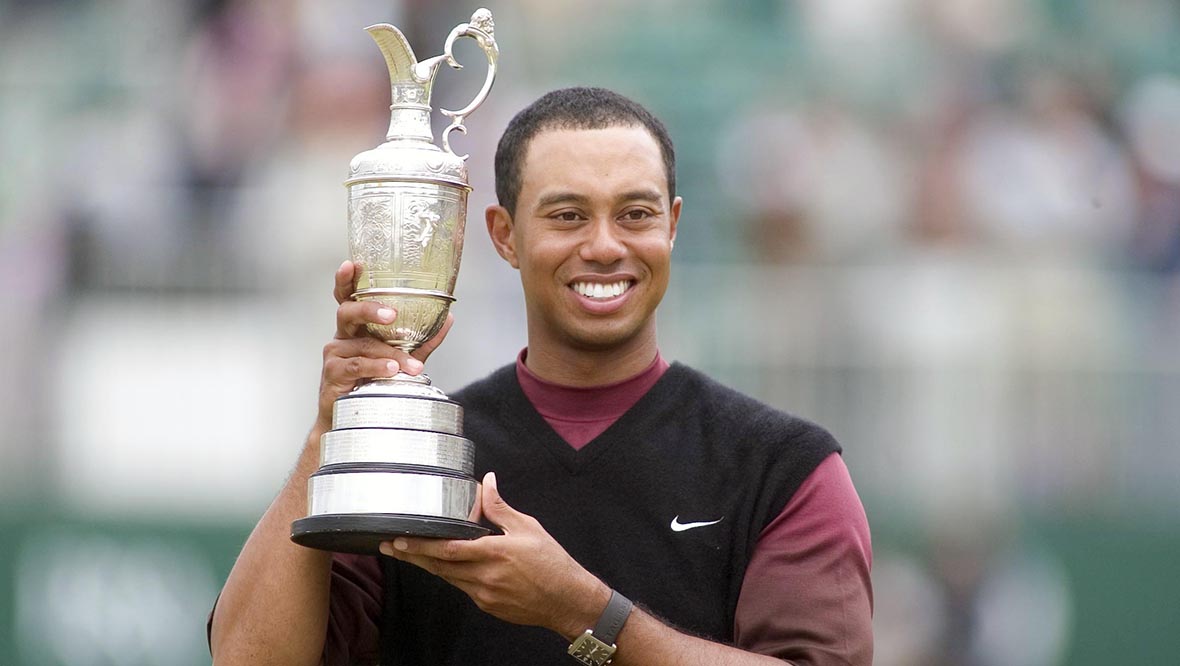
<point x="429" y="564"/>
<point x="349" y="360"/>
<point x="346" y="277"/>
<point x="344" y="373"/>
<point x="353" y="316"/>
<point x="467" y="576"/>
<point x="361" y="346"/>
<point x="339" y="363"/>
<point x="445" y="550"/>
<point x="427" y="348"/>
<point x="497" y="511"/>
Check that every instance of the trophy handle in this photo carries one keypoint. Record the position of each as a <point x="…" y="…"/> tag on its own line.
<point x="482" y="29"/>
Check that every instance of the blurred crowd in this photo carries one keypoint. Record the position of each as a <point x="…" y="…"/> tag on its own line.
<point x="1010" y="134"/>
<point x="966" y="210"/>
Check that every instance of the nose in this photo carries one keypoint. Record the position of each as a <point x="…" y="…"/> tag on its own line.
<point x="602" y="244"/>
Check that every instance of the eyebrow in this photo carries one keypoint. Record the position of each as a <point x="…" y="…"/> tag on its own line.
<point x="562" y="198"/>
<point x="651" y="196"/>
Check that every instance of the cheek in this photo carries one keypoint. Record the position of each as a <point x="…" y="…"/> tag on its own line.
<point x="657" y="256"/>
<point x="544" y="261"/>
<point x="538" y="275"/>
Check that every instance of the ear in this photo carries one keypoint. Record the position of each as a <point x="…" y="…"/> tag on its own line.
<point x="503" y="233"/>
<point x="674" y="218"/>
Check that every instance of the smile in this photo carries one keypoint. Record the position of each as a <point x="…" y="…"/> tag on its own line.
<point x="599" y="290"/>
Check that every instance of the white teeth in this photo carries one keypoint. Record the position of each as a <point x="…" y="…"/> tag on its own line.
<point x="599" y="290"/>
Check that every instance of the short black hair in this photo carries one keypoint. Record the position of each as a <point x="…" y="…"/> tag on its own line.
<point x="577" y="109"/>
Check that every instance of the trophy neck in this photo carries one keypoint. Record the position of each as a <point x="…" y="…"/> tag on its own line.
<point x="409" y="118"/>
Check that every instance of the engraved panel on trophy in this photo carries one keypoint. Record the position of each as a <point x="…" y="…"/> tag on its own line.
<point x="370" y="232"/>
<point x="428" y="252"/>
<point x="420" y="221"/>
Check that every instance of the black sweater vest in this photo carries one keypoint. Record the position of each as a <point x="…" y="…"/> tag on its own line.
<point x="690" y="450"/>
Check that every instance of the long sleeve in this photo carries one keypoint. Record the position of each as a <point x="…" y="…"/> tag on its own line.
<point x="807" y="595"/>
<point x="354" y="612"/>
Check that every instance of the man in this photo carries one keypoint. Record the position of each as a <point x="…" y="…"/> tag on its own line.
<point x="609" y="473"/>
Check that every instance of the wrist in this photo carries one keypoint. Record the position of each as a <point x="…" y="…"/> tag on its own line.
<point x="322" y="424"/>
<point x="309" y="457"/>
<point x="589" y="601"/>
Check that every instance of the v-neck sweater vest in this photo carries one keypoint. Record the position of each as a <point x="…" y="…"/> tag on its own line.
<point x="690" y="450"/>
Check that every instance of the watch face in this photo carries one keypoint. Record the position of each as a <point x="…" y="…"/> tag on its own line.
<point x="591" y="651"/>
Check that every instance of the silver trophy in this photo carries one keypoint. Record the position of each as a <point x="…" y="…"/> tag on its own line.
<point x="395" y="461"/>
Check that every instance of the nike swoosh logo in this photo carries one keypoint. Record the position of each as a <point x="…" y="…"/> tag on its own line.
<point x="678" y="526"/>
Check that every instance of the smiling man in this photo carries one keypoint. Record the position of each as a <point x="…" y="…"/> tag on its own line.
<point x="646" y="514"/>
<point x="591" y="230"/>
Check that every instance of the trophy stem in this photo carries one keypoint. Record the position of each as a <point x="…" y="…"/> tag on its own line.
<point x="422" y="379"/>
<point x="400" y="385"/>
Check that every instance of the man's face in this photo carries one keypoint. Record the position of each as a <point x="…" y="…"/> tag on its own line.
<point x="592" y="237"/>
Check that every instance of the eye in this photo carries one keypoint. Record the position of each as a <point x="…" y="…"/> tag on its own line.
<point x="636" y="215"/>
<point x="567" y="216"/>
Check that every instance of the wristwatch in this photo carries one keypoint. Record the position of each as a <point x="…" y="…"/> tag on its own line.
<point x="596" y="647"/>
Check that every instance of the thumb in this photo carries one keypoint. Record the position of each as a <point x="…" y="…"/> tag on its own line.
<point x="495" y="509"/>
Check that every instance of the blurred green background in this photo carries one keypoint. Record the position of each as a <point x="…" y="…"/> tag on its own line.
<point x="949" y="230"/>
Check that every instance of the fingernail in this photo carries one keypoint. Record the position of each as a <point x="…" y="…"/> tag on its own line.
<point x="386" y="549"/>
<point x="414" y="364"/>
<point x="392" y="367"/>
<point x="385" y="314"/>
<point x="401" y="544"/>
<point x="489" y="479"/>
<point x="341" y="268"/>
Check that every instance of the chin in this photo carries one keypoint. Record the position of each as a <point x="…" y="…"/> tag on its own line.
<point x="605" y="339"/>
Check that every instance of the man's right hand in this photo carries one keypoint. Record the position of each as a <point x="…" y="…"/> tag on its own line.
<point x="354" y="355"/>
<point x="274" y="608"/>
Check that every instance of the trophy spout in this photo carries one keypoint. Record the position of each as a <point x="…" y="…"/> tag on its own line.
<point x="399" y="56"/>
<point x="410" y="85"/>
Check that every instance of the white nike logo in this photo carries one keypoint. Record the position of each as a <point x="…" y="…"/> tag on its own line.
<point x="678" y="526"/>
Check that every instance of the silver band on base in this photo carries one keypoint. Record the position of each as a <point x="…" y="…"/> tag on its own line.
<point x="387" y="491"/>
<point x="358" y="410"/>
<point x="397" y="446"/>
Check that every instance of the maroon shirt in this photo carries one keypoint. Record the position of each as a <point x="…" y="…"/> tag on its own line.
<point x="806" y="595"/>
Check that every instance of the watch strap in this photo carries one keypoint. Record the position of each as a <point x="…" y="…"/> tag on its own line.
<point x="610" y="623"/>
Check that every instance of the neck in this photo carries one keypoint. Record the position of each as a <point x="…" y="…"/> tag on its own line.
<point x="560" y="364"/>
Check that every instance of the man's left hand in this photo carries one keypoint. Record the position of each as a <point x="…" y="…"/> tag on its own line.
<point x="522" y="576"/>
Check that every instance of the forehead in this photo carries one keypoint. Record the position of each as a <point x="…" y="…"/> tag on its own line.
<point x="592" y="158"/>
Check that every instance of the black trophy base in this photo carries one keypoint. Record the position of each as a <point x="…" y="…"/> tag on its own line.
<point x="363" y="533"/>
